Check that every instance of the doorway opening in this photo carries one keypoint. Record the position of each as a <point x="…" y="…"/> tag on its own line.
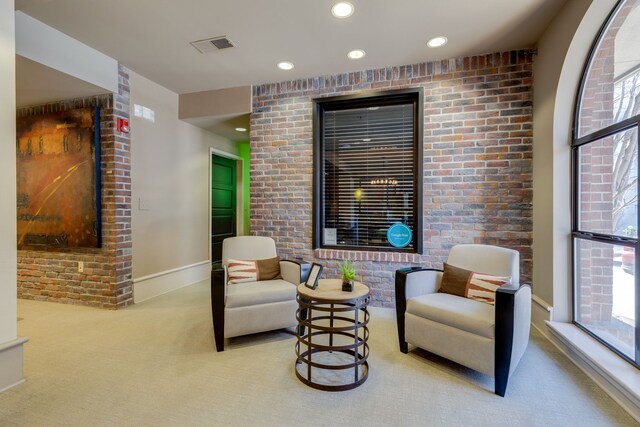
<point x="226" y="199"/>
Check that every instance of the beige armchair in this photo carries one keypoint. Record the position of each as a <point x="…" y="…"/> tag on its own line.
<point x="487" y="338"/>
<point x="257" y="306"/>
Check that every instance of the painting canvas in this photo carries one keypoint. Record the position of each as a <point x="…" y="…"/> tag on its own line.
<point x="58" y="179"/>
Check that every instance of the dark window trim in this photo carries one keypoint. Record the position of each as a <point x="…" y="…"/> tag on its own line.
<point x="576" y="234"/>
<point x="585" y="69"/>
<point x="627" y="73"/>
<point x="343" y="102"/>
<point x="608" y="131"/>
<point x="605" y="238"/>
<point x="614" y="241"/>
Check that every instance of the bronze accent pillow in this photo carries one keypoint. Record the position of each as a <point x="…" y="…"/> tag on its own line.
<point x="269" y="269"/>
<point x="454" y="280"/>
<point x="468" y="284"/>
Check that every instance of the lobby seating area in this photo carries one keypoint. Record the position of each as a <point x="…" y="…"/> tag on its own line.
<point x="363" y="213"/>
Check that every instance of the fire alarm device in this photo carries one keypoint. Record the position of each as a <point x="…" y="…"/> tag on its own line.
<point x="123" y="125"/>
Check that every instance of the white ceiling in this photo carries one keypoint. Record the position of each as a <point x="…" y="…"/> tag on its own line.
<point x="152" y="36"/>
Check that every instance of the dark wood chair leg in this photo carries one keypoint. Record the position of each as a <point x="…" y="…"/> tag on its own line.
<point x="217" y="306"/>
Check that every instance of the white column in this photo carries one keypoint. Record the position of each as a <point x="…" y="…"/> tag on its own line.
<point x="10" y="345"/>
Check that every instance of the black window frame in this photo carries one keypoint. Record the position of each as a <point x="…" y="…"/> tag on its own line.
<point x="576" y="233"/>
<point x="372" y="99"/>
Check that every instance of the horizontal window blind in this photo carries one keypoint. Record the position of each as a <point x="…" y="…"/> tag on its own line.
<point x="368" y="173"/>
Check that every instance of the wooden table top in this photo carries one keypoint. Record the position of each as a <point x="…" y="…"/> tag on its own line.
<point x="331" y="290"/>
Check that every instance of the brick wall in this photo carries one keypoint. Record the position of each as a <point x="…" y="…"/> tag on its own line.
<point x="106" y="279"/>
<point x="477" y="161"/>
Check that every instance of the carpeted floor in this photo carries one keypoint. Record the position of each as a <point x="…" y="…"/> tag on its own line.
<point x="155" y="364"/>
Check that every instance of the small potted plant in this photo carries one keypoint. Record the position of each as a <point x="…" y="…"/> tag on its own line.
<point x="348" y="275"/>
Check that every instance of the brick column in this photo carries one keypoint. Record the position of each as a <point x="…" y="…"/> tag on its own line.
<point x="106" y="279"/>
<point x="117" y="194"/>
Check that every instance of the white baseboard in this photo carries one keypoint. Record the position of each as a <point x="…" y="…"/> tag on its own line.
<point x="153" y="285"/>
<point x="617" y="378"/>
<point x="11" y="357"/>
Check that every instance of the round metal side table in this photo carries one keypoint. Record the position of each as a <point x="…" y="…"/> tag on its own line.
<point x="332" y="335"/>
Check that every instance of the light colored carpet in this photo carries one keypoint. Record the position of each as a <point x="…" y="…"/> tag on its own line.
<point x="155" y="364"/>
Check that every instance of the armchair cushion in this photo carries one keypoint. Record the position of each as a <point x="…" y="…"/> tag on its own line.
<point x="477" y="286"/>
<point x="459" y="313"/>
<point x="254" y="293"/>
<point x="241" y="271"/>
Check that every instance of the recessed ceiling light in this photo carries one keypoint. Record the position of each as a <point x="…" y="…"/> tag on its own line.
<point x="342" y="9"/>
<point x="356" y="54"/>
<point x="437" y="41"/>
<point x="241" y="129"/>
<point x="285" y="65"/>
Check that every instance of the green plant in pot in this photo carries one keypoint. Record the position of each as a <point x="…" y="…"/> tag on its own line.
<point x="348" y="275"/>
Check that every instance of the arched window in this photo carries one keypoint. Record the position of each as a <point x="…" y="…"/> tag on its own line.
<point x="605" y="183"/>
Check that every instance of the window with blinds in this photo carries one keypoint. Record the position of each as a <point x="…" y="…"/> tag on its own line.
<point x="368" y="153"/>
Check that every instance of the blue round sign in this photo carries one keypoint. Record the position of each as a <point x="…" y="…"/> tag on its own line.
<point x="399" y="235"/>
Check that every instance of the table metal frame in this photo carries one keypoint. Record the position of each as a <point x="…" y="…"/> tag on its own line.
<point x="309" y="329"/>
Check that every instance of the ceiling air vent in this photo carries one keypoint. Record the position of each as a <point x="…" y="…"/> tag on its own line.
<point x="212" y="44"/>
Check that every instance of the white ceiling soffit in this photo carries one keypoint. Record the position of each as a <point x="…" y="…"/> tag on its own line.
<point x="224" y="125"/>
<point x="37" y="84"/>
<point x="153" y="38"/>
<point x="42" y="43"/>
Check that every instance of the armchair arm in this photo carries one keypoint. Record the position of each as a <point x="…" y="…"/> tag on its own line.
<point x="411" y="282"/>
<point x="513" y="320"/>
<point x="295" y="272"/>
<point x="418" y="281"/>
<point x="218" y="292"/>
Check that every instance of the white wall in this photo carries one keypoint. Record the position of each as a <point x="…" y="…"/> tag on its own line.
<point x="8" y="254"/>
<point x="170" y="178"/>
<point x="562" y="52"/>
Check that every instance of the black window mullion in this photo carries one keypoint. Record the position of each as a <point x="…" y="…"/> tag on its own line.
<point x="637" y="255"/>
<point x="607" y="131"/>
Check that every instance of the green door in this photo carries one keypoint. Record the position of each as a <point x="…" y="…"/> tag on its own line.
<point x="223" y="203"/>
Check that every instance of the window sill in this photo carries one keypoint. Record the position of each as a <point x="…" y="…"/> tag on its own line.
<point x="617" y="377"/>
<point x="376" y="256"/>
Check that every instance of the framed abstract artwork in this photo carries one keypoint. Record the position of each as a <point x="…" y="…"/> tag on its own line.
<point x="58" y="180"/>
